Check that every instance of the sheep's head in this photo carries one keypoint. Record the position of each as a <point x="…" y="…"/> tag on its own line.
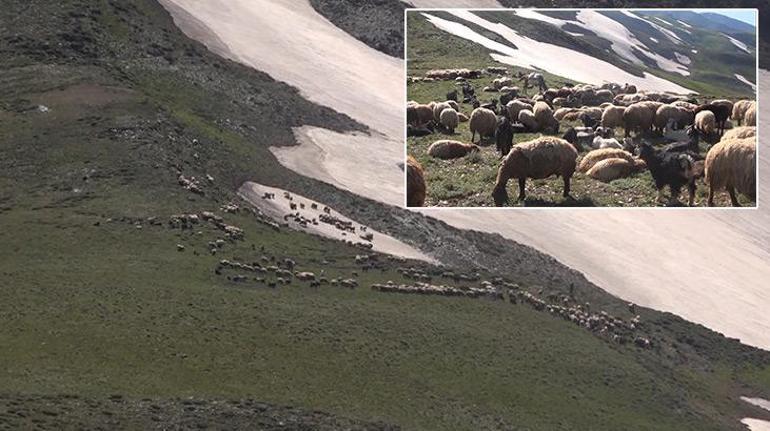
<point x="500" y="195"/>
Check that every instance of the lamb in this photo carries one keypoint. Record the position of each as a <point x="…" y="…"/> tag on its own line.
<point x="544" y="117"/>
<point x="595" y="156"/>
<point x="740" y="133"/>
<point x="449" y="120"/>
<point x="613" y="116"/>
<point x="721" y="114"/>
<point x="731" y="165"/>
<point x="638" y="118"/>
<point x="670" y="169"/>
<point x="415" y="183"/>
<point x="613" y="168"/>
<point x="527" y="118"/>
<point x="705" y="122"/>
<point x="751" y="115"/>
<point x="537" y="159"/>
<point x="516" y="106"/>
<point x="504" y="135"/>
<point x="482" y="121"/>
<point x="739" y="110"/>
<point x="447" y="149"/>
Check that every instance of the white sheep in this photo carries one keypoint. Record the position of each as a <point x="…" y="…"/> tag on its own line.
<point x="483" y="121"/>
<point x="706" y="122"/>
<point x="731" y="165"/>
<point x="449" y="119"/>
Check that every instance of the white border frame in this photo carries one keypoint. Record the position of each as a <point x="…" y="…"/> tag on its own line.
<point x="427" y="210"/>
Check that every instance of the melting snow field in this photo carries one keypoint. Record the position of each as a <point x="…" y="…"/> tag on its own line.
<point x="280" y="206"/>
<point x="709" y="266"/>
<point x="742" y="46"/>
<point x="745" y="81"/>
<point x="551" y="58"/>
<point x="756" y="424"/>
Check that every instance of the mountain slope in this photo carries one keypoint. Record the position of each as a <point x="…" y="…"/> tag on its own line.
<point x="105" y="104"/>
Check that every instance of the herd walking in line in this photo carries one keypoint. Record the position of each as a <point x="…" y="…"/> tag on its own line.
<point x="681" y="140"/>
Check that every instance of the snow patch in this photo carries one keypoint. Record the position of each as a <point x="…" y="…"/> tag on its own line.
<point x="742" y="46"/>
<point x="654" y="40"/>
<point x="694" y="51"/>
<point x="670" y="34"/>
<point x="746" y="81"/>
<point x="682" y="59"/>
<point x="684" y="23"/>
<point x="757" y="424"/>
<point x="551" y="58"/>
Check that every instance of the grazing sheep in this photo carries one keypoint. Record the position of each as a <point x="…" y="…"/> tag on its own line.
<point x="612" y="116"/>
<point x="504" y="135"/>
<point x="721" y="114"/>
<point x="593" y="111"/>
<point x="516" y="106"/>
<point x="449" y="120"/>
<point x="446" y="149"/>
<point x="424" y="115"/>
<point x="739" y="110"/>
<point x="731" y="165"/>
<point x="751" y="115"/>
<point x="527" y="118"/>
<point x="561" y="112"/>
<point x="415" y="183"/>
<point x="740" y="133"/>
<point x="705" y="122"/>
<point x="437" y="109"/>
<point x="482" y="121"/>
<point x="613" y="168"/>
<point x="537" y="159"/>
<point x="544" y="117"/>
<point x="593" y="157"/>
<point x="664" y="114"/>
<point x="638" y="118"/>
<point x="572" y="116"/>
<point x="670" y="169"/>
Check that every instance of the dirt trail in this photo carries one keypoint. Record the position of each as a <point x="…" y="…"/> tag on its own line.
<point x="709" y="267"/>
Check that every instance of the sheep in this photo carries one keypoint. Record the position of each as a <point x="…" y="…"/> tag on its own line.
<point x="613" y="116"/>
<point x="482" y="121"/>
<point x="684" y="104"/>
<point x="740" y="133"/>
<point x="721" y="114"/>
<point x="537" y="159"/>
<point x="638" y="118"/>
<point x="729" y="104"/>
<point x="561" y="112"/>
<point x="613" y="168"/>
<point x="739" y="110"/>
<point x="577" y="138"/>
<point x="504" y="135"/>
<point x="572" y="116"/>
<point x="544" y="117"/>
<point x="437" y="109"/>
<point x="447" y="149"/>
<point x="599" y="143"/>
<point x="751" y="115"/>
<point x="731" y="165"/>
<point x="515" y="106"/>
<point x="705" y="122"/>
<point x="424" y="115"/>
<point x="415" y="183"/>
<point x="593" y="111"/>
<point x="449" y="120"/>
<point x="664" y="114"/>
<point x="670" y="169"/>
<point x="595" y="156"/>
<point x="452" y="95"/>
<point x="527" y="118"/>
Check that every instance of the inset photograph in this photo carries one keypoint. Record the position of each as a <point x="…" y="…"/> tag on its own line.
<point x="581" y="108"/>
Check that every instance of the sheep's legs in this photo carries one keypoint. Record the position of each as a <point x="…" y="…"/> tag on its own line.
<point x="522" y="193"/>
<point x="733" y="198"/>
<point x="711" y="197"/>
<point x="692" y="193"/>
<point x="566" y="186"/>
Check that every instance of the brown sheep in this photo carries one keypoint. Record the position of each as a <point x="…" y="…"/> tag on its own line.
<point x="751" y="115"/>
<point x="705" y="122"/>
<point x="740" y="133"/>
<point x="613" y="168"/>
<point x="595" y="156"/>
<point x="447" y="149"/>
<point x="424" y="114"/>
<point x="739" y="110"/>
<point x="415" y="183"/>
<point x="537" y="159"/>
<point x="527" y="118"/>
<point x="544" y="117"/>
<point x="638" y="118"/>
<point x="483" y="121"/>
<point x="731" y="165"/>
<point x="612" y="116"/>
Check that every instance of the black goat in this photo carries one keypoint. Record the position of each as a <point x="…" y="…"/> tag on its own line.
<point x="691" y="145"/>
<point x="587" y="120"/>
<point x="721" y="114"/>
<point x="452" y="95"/>
<point x="468" y="91"/>
<point x="505" y="98"/>
<point x="672" y="169"/>
<point x="419" y="131"/>
<point x="504" y="134"/>
<point x="491" y="105"/>
<point x="571" y="136"/>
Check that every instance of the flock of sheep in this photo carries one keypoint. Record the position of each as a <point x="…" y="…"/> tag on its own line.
<point x="679" y="122"/>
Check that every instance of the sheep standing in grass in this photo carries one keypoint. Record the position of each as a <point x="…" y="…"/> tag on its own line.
<point x="739" y="110"/>
<point x="731" y="165"/>
<point x="740" y="133"/>
<point x="638" y="118"/>
<point x="449" y="120"/>
<point x="721" y="114"/>
<point x="595" y="156"/>
<point x="751" y="115"/>
<point x="447" y="149"/>
<point x="483" y="121"/>
<point x="423" y="114"/>
<point x="438" y="108"/>
<point x="516" y="106"/>
<point x="415" y="183"/>
<point x="612" y="116"/>
<point x="705" y="122"/>
<point x="544" y="117"/>
<point x="537" y="159"/>
<point x="664" y="114"/>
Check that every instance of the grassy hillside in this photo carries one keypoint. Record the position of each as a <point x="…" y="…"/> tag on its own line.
<point x="103" y="319"/>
